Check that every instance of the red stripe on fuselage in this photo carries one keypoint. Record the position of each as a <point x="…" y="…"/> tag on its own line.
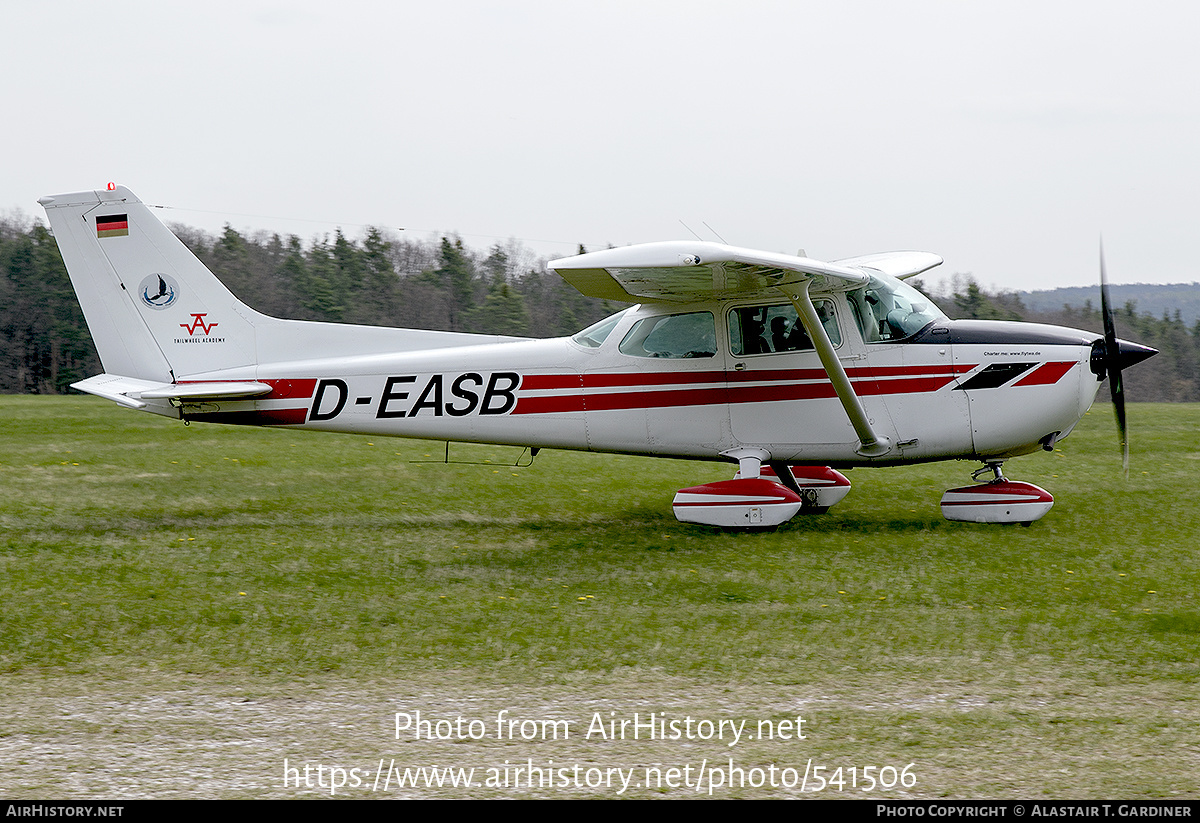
<point x="280" y="389"/>
<point x="1046" y="374"/>
<point x="538" y="382"/>
<point x="262" y="417"/>
<point x="902" y="383"/>
<point x="290" y="389"/>
<point x="602" y="380"/>
<point x="555" y="404"/>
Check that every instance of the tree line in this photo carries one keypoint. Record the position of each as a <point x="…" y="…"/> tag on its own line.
<point x="383" y="279"/>
<point x="377" y="280"/>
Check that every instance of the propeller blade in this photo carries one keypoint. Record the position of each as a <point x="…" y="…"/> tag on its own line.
<point x="1112" y="364"/>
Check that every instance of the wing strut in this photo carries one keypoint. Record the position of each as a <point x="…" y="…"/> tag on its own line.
<point x="870" y="444"/>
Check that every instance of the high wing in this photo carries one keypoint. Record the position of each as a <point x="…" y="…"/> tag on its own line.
<point x="899" y="264"/>
<point x="687" y="271"/>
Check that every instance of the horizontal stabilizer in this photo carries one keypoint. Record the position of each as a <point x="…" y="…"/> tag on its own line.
<point x="133" y="393"/>
<point x="117" y="389"/>
<point x="228" y="390"/>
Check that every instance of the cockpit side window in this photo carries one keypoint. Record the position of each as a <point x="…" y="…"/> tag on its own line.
<point x="774" y="329"/>
<point x="674" y="336"/>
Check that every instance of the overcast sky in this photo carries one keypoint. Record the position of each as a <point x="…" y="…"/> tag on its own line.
<point x="1006" y="137"/>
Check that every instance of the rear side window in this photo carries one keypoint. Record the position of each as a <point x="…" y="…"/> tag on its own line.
<point x="675" y="336"/>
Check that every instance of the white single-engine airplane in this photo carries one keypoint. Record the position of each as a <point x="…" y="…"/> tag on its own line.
<point x="788" y="366"/>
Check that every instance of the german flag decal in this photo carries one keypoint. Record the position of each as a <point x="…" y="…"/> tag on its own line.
<point x="112" y="225"/>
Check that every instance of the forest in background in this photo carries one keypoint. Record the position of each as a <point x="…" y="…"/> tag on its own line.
<point x="383" y="279"/>
<point x="1152" y="298"/>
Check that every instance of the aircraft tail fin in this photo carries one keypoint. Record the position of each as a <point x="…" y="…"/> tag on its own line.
<point x="155" y="311"/>
<point x="159" y="315"/>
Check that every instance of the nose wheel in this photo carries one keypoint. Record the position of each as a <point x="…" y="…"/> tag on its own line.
<point x="998" y="500"/>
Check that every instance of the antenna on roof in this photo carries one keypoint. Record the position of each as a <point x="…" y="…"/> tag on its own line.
<point x="689" y="228"/>
<point x="714" y="231"/>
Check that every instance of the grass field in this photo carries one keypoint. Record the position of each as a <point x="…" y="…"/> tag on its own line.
<point x="184" y="608"/>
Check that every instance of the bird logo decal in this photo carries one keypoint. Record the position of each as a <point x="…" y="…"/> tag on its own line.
<point x="158" y="291"/>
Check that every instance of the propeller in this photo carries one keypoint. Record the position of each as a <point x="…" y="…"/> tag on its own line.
<point x="1112" y="364"/>
<point x="1118" y="354"/>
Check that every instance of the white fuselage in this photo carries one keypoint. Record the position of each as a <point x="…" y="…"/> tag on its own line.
<point x="957" y="389"/>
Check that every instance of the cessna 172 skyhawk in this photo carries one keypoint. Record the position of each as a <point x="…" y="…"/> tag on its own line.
<point x="788" y="366"/>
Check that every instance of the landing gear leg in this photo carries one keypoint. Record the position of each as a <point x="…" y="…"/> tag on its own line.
<point x="750" y="460"/>
<point x="811" y="496"/>
<point x="993" y="466"/>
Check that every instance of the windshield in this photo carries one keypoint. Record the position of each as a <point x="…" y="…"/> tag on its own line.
<point x="888" y="309"/>
<point x="597" y="333"/>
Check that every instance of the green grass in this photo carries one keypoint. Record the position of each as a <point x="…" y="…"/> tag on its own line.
<point x="135" y="547"/>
